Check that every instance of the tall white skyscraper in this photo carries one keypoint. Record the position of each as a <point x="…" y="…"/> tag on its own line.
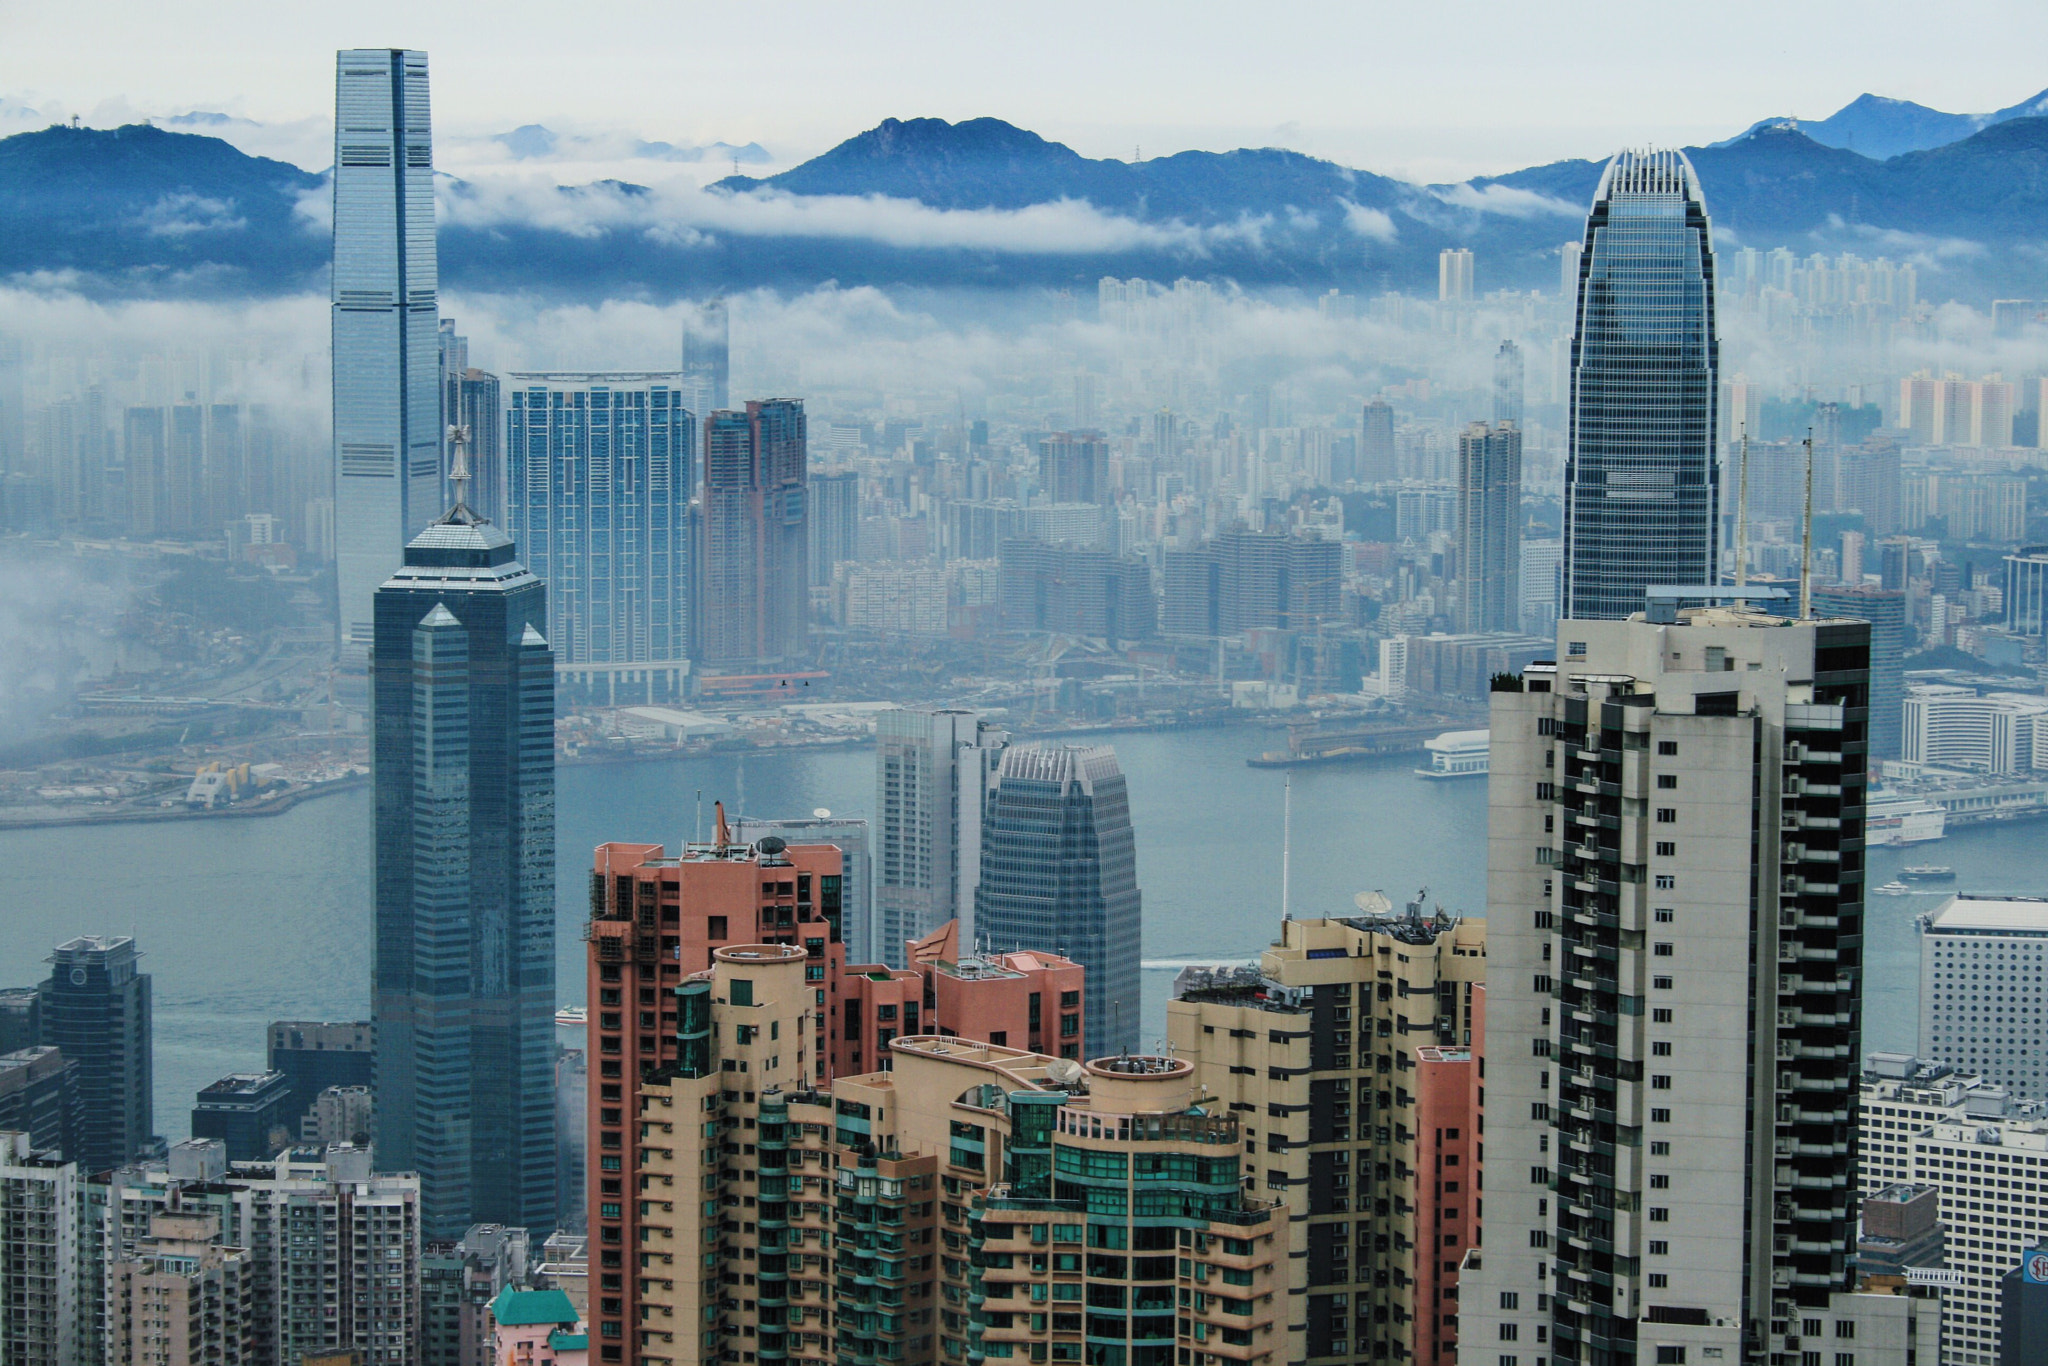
<point x="1568" y="270"/>
<point x="934" y="769"/>
<point x="386" y="324"/>
<point x="1674" y="927"/>
<point x="1454" y="275"/>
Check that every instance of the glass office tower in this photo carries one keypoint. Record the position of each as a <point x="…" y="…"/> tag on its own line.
<point x="753" y="584"/>
<point x="386" y="325"/>
<point x="600" y="468"/>
<point x="1642" y="486"/>
<point x="462" y="754"/>
<point x="1059" y="871"/>
<point x="96" y="1009"/>
<point x="1490" y="527"/>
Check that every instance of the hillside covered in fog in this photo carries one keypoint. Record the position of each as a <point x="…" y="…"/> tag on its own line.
<point x="141" y="210"/>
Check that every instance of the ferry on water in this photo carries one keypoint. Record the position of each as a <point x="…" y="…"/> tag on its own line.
<point x="1928" y="872"/>
<point x="1892" y="888"/>
<point x="1457" y="754"/>
<point x="1893" y="819"/>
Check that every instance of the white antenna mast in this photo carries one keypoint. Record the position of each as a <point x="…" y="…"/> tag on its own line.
<point x="458" y="472"/>
<point x="1286" y="844"/>
<point x="1742" y="518"/>
<point x="1806" y="539"/>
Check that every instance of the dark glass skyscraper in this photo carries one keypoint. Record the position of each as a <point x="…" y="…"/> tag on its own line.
<point x="1490" y="527"/>
<point x="1642" y="486"/>
<point x="96" y="1011"/>
<point x="462" y="685"/>
<point x="1059" y="871"/>
<point x="753" y="586"/>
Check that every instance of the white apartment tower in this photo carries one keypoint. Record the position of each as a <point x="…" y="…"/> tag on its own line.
<point x="40" y="1308"/>
<point x="1682" y="1037"/>
<point x="386" y="326"/>
<point x="1983" y="1002"/>
<point x="1454" y="275"/>
<point x="934" y="769"/>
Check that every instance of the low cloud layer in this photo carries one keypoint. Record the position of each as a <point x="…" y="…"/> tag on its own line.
<point x="1506" y="201"/>
<point x="680" y="214"/>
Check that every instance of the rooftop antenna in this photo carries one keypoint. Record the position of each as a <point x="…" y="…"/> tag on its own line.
<point x="700" y="816"/>
<point x="1806" y="538"/>
<point x="458" y="472"/>
<point x="722" y="832"/>
<point x="1286" y="843"/>
<point x="1742" y="518"/>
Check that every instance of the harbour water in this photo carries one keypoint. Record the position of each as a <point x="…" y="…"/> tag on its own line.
<point x="246" y="921"/>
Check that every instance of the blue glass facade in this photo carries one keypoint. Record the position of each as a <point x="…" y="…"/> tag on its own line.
<point x="599" y="470"/>
<point x="462" y="754"/>
<point x="1059" y="871"/>
<point x="1642" y="486"/>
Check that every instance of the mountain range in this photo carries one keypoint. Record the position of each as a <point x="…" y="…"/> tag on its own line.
<point x="983" y="204"/>
<point x="1880" y="127"/>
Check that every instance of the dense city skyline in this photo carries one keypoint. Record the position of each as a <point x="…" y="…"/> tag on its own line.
<point x="1659" y="589"/>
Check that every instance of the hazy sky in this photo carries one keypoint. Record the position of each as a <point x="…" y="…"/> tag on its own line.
<point x="1432" y="91"/>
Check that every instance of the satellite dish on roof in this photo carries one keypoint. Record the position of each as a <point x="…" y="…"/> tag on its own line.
<point x="823" y="813"/>
<point x="1373" y="903"/>
<point x="1063" y="1071"/>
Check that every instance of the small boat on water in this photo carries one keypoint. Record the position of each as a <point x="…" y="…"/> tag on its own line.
<point x="1894" y="888"/>
<point x="572" y="1015"/>
<point x="1928" y="872"/>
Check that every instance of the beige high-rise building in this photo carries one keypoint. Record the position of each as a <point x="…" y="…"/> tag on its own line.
<point x="1675" y="920"/>
<point x="1350" y="1055"/>
<point x="180" y="1298"/>
<point x="972" y="1201"/>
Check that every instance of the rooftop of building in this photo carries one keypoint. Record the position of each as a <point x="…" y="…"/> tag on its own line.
<point x="1989" y="913"/>
<point x="1903" y="1193"/>
<point x="87" y="945"/>
<point x="237" y="1085"/>
<point x="27" y="1065"/>
<point x="532" y="1308"/>
<point x="772" y="851"/>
